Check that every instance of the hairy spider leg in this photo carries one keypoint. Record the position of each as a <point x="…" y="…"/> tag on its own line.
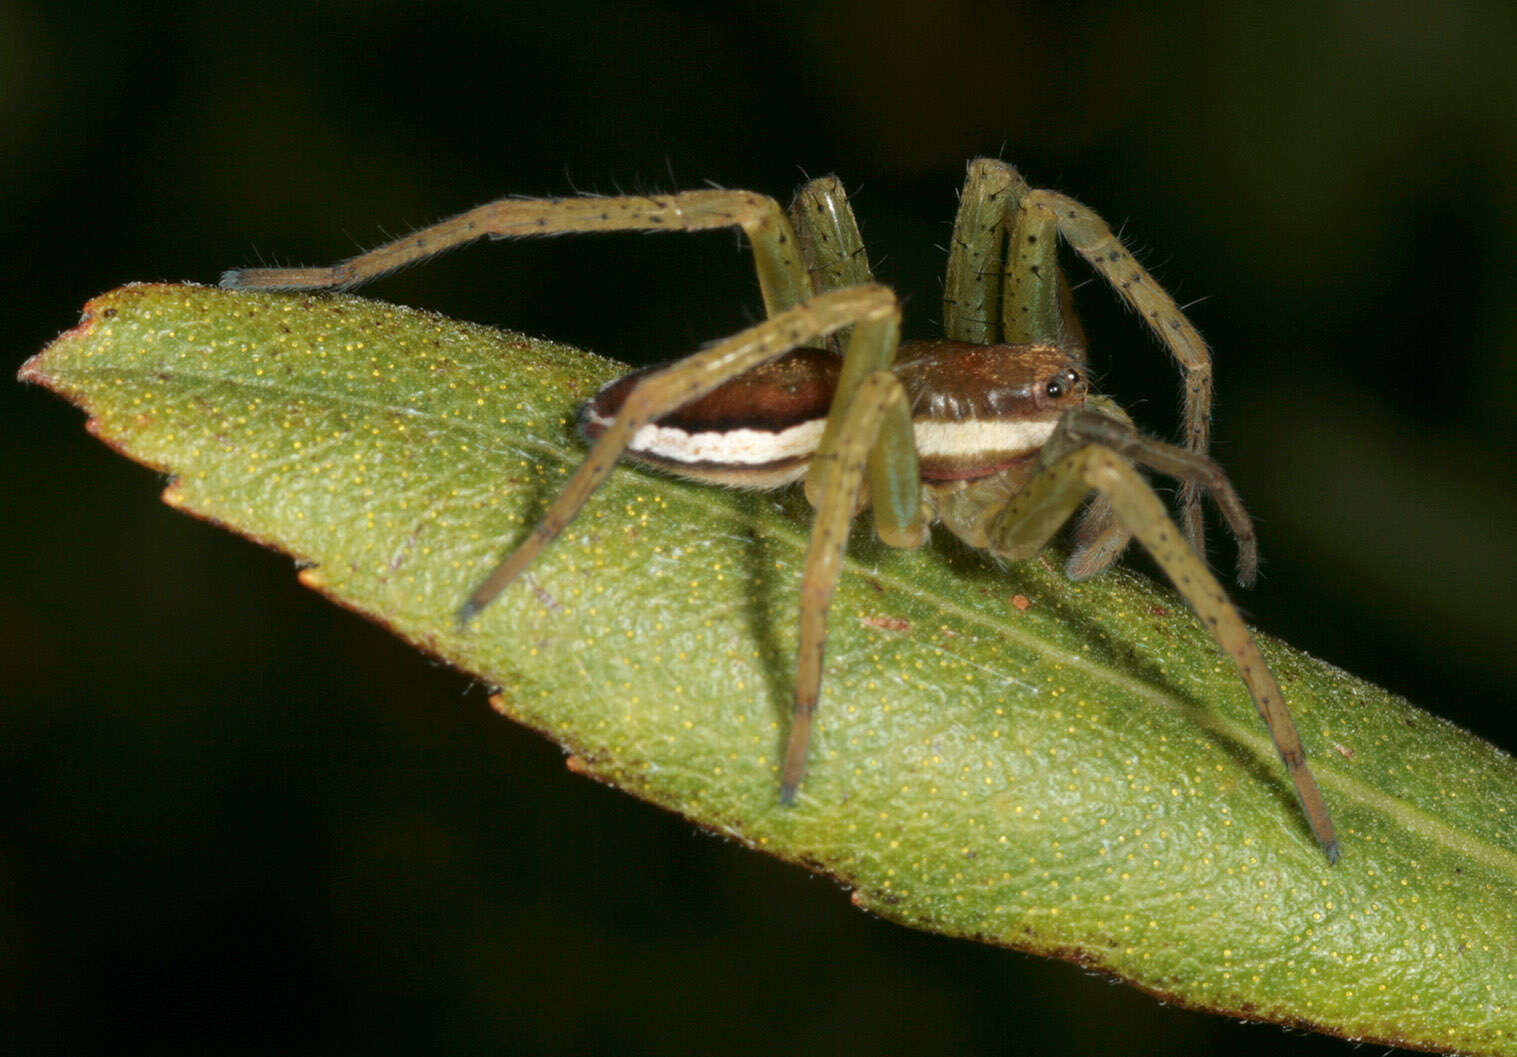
<point x="1045" y="212"/>
<point x="829" y="235"/>
<point x="1036" y="512"/>
<point x="776" y="251"/>
<point x="1099" y="538"/>
<point x="1037" y="304"/>
<point x="977" y="254"/>
<point x="876" y="428"/>
<point x="1102" y="422"/>
<point x="874" y="435"/>
<point x="831" y="246"/>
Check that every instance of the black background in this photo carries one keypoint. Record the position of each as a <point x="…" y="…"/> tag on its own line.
<point x="240" y="820"/>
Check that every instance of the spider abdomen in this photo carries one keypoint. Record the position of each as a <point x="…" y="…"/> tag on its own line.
<point x="758" y="430"/>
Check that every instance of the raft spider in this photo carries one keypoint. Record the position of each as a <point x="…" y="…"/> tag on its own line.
<point x="991" y="430"/>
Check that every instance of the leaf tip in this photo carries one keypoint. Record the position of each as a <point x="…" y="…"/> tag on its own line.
<point x="102" y="307"/>
<point x="32" y="372"/>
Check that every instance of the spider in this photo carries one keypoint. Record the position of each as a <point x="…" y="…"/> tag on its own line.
<point x="991" y="431"/>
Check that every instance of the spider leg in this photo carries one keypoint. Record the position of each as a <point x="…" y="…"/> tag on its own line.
<point x="781" y="272"/>
<point x="873" y="308"/>
<point x="865" y="356"/>
<point x="874" y="435"/>
<point x="829" y="235"/>
<point x="831" y="246"/>
<point x="977" y="252"/>
<point x="1100" y="536"/>
<point x="1047" y="212"/>
<point x="868" y="429"/>
<point x="1051" y="497"/>
<point x="1037" y="305"/>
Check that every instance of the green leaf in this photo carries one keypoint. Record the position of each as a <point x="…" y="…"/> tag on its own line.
<point x="1072" y="770"/>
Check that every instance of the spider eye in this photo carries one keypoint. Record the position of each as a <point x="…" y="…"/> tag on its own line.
<point x="1061" y="383"/>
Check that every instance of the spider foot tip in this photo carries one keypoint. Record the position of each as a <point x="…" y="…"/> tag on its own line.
<point x="1248" y="564"/>
<point x="466" y="614"/>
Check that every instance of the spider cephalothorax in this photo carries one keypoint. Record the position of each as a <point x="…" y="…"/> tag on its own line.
<point x="991" y="431"/>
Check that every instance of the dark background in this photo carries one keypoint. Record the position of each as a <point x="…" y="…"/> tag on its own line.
<point x="240" y="820"/>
